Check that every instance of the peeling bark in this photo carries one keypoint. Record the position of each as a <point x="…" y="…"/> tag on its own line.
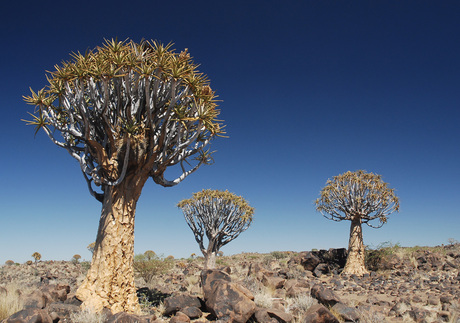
<point x="110" y="280"/>
<point x="355" y="260"/>
<point x="210" y="260"/>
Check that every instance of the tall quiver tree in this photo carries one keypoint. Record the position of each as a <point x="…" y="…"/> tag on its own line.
<point x="358" y="197"/>
<point x="220" y="215"/>
<point x="126" y="112"/>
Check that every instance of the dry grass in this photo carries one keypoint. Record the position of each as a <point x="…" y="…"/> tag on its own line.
<point x="10" y="302"/>
<point x="87" y="316"/>
<point x="299" y="305"/>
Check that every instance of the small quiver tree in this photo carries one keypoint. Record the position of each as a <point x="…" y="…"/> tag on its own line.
<point x="220" y="215"/>
<point x="358" y="197"/>
<point x="126" y="112"/>
<point x="37" y="256"/>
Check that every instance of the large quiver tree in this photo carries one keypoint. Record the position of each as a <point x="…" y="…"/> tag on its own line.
<point x="358" y="197"/>
<point x="126" y="112"/>
<point x="220" y="215"/>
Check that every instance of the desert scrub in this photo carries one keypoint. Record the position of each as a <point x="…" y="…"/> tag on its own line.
<point x="10" y="302"/>
<point x="299" y="305"/>
<point x="278" y="255"/>
<point x="147" y="265"/>
<point x="87" y="315"/>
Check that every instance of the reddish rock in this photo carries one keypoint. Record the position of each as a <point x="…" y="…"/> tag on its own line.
<point x="348" y="313"/>
<point x="324" y="295"/>
<point x="192" y="312"/>
<point x="179" y="317"/>
<point x="226" y="300"/>
<point x="319" y="314"/>
<point x="174" y="304"/>
<point x="273" y="282"/>
<point x="30" y="315"/>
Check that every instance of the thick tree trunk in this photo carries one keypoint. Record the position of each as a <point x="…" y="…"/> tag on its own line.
<point x="210" y="261"/>
<point x="355" y="260"/>
<point x="110" y="280"/>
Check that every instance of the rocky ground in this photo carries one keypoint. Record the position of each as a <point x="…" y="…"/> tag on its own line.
<point x="403" y="285"/>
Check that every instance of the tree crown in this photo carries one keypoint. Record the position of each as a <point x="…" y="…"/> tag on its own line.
<point x="125" y="106"/>
<point x="221" y="215"/>
<point x="357" y="195"/>
<point x="206" y="198"/>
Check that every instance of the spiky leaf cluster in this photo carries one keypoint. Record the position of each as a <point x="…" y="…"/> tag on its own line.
<point x="127" y="105"/>
<point x="357" y="195"/>
<point x="220" y="215"/>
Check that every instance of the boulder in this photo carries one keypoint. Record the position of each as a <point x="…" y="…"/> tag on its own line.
<point x="321" y="269"/>
<point x="174" y="304"/>
<point x="208" y="277"/>
<point x="192" y="312"/>
<point x="348" y="313"/>
<point x="266" y="315"/>
<point x="273" y="282"/>
<point x="309" y="261"/>
<point x="61" y="310"/>
<point x="180" y="318"/>
<point x="319" y="314"/>
<point x="324" y="295"/>
<point x="30" y="315"/>
<point x="261" y="316"/>
<point x="226" y="300"/>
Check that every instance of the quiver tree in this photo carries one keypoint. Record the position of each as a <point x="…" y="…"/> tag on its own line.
<point x="37" y="256"/>
<point x="126" y="112"/>
<point x="358" y="197"/>
<point x="220" y="215"/>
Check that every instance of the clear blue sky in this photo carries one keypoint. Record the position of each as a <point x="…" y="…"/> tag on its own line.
<point x="310" y="89"/>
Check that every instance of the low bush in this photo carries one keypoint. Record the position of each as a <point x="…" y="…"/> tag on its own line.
<point x="147" y="266"/>
<point x="10" y="302"/>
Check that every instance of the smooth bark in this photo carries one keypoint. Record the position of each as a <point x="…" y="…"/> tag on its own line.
<point x="355" y="260"/>
<point x="110" y="280"/>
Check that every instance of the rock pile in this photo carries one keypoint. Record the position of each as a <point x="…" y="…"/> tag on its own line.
<point x="420" y="285"/>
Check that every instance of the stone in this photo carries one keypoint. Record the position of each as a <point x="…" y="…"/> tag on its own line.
<point x="36" y="299"/>
<point x="180" y="317"/>
<point x="319" y="314"/>
<point x="192" y="312"/>
<point x="321" y="269"/>
<point x="261" y="316"/>
<point x="226" y="300"/>
<point x="279" y="315"/>
<point x="324" y="295"/>
<point x="309" y="261"/>
<point x="348" y="313"/>
<point x="208" y="277"/>
<point x="62" y="310"/>
<point x="30" y="315"/>
<point x="273" y="282"/>
<point x="174" y="304"/>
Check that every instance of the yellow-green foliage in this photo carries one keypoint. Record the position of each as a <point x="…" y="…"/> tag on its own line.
<point x="210" y="197"/>
<point x="37" y="256"/>
<point x="357" y="194"/>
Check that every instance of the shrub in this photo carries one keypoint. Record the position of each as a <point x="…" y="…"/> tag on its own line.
<point x="147" y="266"/>
<point x="9" y="262"/>
<point x="10" y="302"/>
<point x="29" y="262"/>
<point x="278" y="255"/>
<point x="87" y="316"/>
